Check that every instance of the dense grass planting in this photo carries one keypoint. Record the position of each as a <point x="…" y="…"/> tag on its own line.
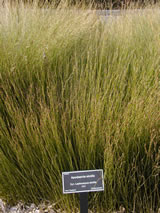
<point x="80" y="93"/>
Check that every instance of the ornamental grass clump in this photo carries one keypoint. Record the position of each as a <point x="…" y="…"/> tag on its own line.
<point x="79" y="92"/>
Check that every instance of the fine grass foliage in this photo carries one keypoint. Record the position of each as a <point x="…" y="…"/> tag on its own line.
<point x="79" y="92"/>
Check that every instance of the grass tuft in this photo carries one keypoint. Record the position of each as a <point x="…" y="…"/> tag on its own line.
<point x="77" y="92"/>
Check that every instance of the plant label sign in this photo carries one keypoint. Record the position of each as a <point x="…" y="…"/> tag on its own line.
<point x="82" y="181"/>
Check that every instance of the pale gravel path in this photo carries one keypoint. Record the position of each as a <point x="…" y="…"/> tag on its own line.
<point x="43" y="208"/>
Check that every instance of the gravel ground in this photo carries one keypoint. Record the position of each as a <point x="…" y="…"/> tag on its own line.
<point x="32" y="208"/>
<point x="43" y="208"/>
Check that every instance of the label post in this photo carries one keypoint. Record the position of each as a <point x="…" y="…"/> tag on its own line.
<point x="83" y="182"/>
<point x="84" y="202"/>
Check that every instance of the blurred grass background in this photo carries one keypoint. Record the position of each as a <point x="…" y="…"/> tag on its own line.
<point x="76" y="93"/>
<point x="98" y="4"/>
